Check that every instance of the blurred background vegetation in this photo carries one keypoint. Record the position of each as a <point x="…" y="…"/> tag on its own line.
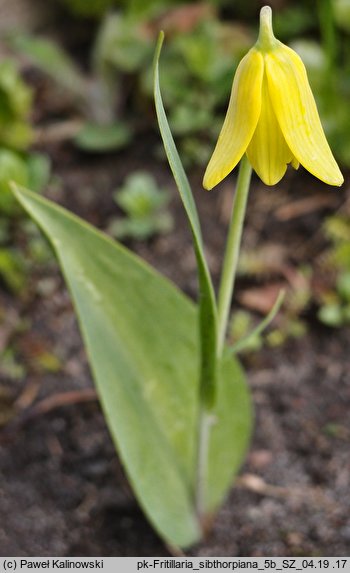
<point x="107" y="69"/>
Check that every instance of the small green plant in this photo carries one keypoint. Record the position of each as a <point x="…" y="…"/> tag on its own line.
<point x="335" y="297"/>
<point x="16" y="135"/>
<point x="144" y="204"/>
<point x="15" y="106"/>
<point x="19" y="165"/>
<point x="31" y="169"/>
<point x="17" y="261"/>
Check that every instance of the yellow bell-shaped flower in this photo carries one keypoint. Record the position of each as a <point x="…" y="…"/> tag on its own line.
<point x="272" y="117"/>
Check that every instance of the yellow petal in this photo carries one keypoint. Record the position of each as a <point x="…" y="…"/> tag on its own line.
<point x="297" y="114"/>
<point x="241" y="119"/>
<point x="295" y="163"/>
<point x="268" y="152"/>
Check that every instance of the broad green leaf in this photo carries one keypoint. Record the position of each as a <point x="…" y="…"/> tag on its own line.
<point x="140" y="334"/>
<point x="141" y="337"/>
<point x="207" y="305"/>
<point x="231" y="432"/>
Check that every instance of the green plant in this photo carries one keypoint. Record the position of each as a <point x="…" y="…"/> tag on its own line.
<point x="335" y="297"/>
<point x="173" y="393"/>
<point x="152" y="370"/>
<point x="144" y="204"/>
<point x="32" y="170"/>
<point x="15" y="106"/>
<point x="16" y="135"/>
<point x="19" y="165"/>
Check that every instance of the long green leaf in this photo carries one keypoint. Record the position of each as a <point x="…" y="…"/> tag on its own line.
<point x="140" y="335"/>
<point x="243" y="342"/>
<point x="207" y="305"/>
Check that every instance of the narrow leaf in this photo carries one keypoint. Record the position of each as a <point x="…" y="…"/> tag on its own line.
<point x="207" y="305"/>
<point x="241" y="344"/>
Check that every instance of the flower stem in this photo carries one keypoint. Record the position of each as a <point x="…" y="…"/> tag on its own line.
<point x="206" y="417"/>
<point x="266" y="40"/>
<point x="204" y="424"/>
<point x="232" y="250"/>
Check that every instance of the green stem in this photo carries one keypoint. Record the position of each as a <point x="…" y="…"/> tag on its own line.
<point x="232" y="251"/>
<point x="204" y="424"/>
<point x="205" y="418"/>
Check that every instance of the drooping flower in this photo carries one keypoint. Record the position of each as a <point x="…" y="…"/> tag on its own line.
<point x="272" y="117"/>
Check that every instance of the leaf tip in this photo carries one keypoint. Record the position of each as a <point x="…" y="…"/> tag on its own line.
<point x="159" y="45"/>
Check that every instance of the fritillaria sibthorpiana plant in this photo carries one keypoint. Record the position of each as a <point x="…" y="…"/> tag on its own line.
<point x="174" y="395"/>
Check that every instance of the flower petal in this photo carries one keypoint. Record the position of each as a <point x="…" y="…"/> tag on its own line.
<point x="241" y="119"/>
<point x="268" y="152"/>
<point x="295" y="163"/>
<point x="297" y="114"/>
